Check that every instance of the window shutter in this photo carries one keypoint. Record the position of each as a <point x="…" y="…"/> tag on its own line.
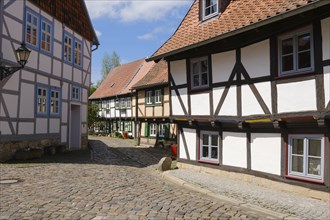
<point x="146" y="129"/>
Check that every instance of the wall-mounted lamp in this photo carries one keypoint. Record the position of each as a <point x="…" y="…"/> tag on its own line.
<point x="22" y="55"/>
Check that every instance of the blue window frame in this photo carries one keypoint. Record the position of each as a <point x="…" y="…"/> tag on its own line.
<point x="72" y="50"/>
<point x="67" y="47"/>
<point x="38" y="32"/>
<point x="48" y="101"/>
<point x="75" y="93"/>
<point x="77" y="60"/>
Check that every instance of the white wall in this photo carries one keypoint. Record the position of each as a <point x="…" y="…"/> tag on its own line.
<point x="254" y="55"/>
<point x="234" y="149"/>
<point x="296" y="96"/>
<point x="266" y="153"/>
<point x="222" y="65"/>
<point x="229" y="106"/>
<point x="25" y="128"/>
<point x="176" y="106"/>
<point x="27" y="101"/>
<point x="250" y="104"/>
<point x="200" y="104"/>
<point x="326" y="71"/>
<point x="325" y="24"/>
<point x="41" y="125"/>
<point x="190" y="137"/>
<point x="178" y="71"/>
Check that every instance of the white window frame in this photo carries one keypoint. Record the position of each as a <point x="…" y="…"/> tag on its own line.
<point x="205" y="7"/>
<point x="210" y="146"/>
<point x="158" y="96"/>
<point x="294" y="35"/>
<point x="54" y="102"/>
<point x="161" y="130"/>
<point x="304" y="174"/>
<point x="42" y="101"/>
<point x="153" y="130"/>
<point x="149" y="97"/>
<point x="128" y="104"/>
<point x="200" y="73"/>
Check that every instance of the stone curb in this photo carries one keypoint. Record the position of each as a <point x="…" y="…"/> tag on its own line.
<point x="269" y="213"/>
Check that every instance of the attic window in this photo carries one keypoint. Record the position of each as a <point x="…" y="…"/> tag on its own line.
<point x="210" y="8"/>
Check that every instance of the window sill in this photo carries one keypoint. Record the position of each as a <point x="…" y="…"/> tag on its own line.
<point x="295" y="75"/>
<point x="305" y="179"/>
<point x="208" y="162"/>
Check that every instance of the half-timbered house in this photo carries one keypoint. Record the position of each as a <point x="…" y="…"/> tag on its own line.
<point x="45" y="103"/>
<point x="152" y="109"/>
<point x="250" y="88"/>
<point x="116" y="100"/>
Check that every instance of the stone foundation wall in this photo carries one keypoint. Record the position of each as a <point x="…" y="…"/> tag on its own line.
<point x="84" y="141"/>
<point x="8" y="149"/>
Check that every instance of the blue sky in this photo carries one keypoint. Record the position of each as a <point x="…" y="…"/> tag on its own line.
<point x="133" y="28"/>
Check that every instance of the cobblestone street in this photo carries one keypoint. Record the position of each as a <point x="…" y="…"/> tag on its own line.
<point x="109" y="183"/>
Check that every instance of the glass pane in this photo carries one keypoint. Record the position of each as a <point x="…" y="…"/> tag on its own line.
<point x="205" y="139"/>
<point x="314" y="148"/>
<point x="204" y="66"/>
<point x="205" y="152"/>
<point x="195" y="68"/>
<point x="298" y="146"/>
<point x="213" y="8"/>
<point x="304" y="42"/>
<point x="204" y="79"/>
<point x="214" y="153"/>
<point x="287" y="63"/>
<point x="207" y="11"/>
<point x="287" y="46"/>
<point x="196" y="80"/>
<point x="297" y="164"/>
<point x="304" y="60"/>
<point x="314" y="166"/>
<point x="214" y="140"/>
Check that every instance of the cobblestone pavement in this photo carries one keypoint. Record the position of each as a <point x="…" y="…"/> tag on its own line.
<point x="104" y="184"/>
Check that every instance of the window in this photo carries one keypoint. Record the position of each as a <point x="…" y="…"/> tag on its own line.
<point x="67" y="48"/>
<point x="158" y="96"/>
<point x="162" y="130"/>
<point x="46" y="33"/>
<point x="128" y="126"/>
<point x="209" y="146"/>
<point x="77" y="52"/>
<point x="149" y="98"/>
<point x="75" y="93"/>
<point x="199" y="73"/>
<point x="128" y="104"/>
<point x="210" y="8"/>
<point x="31" y="28"/>
<point x="153" y="129"/>
<point x="117" y="104"/>
<point x="42" y="94"/>
<point x="54" y="102"/>
<point x="296" y="52"/>
<point x="306" y="156"/>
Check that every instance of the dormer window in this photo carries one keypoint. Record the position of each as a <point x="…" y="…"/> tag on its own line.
<point x="210" y="8"/>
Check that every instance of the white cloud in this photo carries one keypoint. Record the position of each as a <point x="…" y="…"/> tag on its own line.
<point x="98" y="33"/>
<point x="134" y="10"/>
<point x="151" y="35"/>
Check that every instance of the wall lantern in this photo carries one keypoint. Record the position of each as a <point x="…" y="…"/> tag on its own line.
<point x="22" y="55"/>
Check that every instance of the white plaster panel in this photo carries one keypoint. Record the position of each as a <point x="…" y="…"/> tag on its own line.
<point x="57" y="68"/>
<point x="41" y="125"/>
<point x="33" y="59"/>
<point x="256" y="59"/>
<point x="325" y="24"/>
<point x="83" y="113"/>
<point x="25" y="128"/>
<point x="64" y="113"/>
<point x="234" y="149"/>
<point x="47" y="16"/>
<point x="222" y="65"/>
<point x="15" y="9"/>
<point x="12" y="82"/>
<point x="265" y="90"/>
<point x="87" y="48"/>
<point x="54" y="125"/>
<point x="326" y="84"/>
<point x="296" y="96"/>
<point x="176" y="106"/>
<point x="65" y="91"/>
<point x="15" y="28"/>
<point x="5" y="128"/>
<point x="27" y="101"/>
<point x="87" y="66"/>
<point x="250" y="104"/>
<point x="179" y="71"/>
<point x="2" y="112"/>
<point x="229" y="106"/>
<point x="32" y="6"/>
<point x="57" y="51"/>
<point x="42" y="79"/>
<point x="55" y="83"/>
<point x="266" y="153"/>
<point x="190" y="137"/>
<point x="45" y="63"/>
<point x="28" y="75"/>
<point x="58" y="34"/>
<point x="78" y="36"/>
<point x="69" y="30"/>
<point x="112" y="112"/>
<point x="64" y="133"/>
<point x="84" y="95"/>
<point x="67" y="71"/>
<point x="11" y="102"/>
<point x="88" y="80"/>
<point x="10" y="51"/>
<point x="77" y="75"/>
<point x="200" y="104"/>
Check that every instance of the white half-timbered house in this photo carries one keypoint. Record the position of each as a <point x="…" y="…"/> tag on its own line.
<point x="45" y="103"/>
<point x="116" y="100"/>
<point x="250" y="88"/>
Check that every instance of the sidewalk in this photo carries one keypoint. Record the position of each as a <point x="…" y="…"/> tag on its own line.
<point x="284" y="205"/>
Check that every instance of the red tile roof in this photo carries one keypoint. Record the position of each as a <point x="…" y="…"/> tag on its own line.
<point x="238" y="14"/>
<point x="118" y="81"/>
<point x="158" y="74"/>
